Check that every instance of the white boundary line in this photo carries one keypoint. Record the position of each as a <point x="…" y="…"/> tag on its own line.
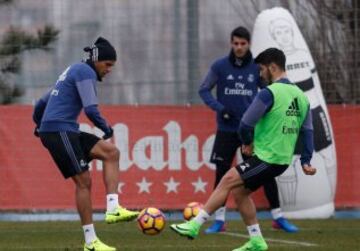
<point x="125" y="247"/>
<point x="298" y="243"/>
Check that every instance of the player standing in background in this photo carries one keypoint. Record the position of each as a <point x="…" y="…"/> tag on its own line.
<point x="236" y="78"/>
<point x="269" y="129"/>
<point x="56" y="115"/>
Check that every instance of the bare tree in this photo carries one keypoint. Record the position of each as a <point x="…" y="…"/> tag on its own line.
<point x="13" y="43"/>
<point x="331" y="29"/>
<point x="333" y="42"/>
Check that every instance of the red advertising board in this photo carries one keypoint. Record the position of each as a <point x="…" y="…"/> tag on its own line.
<point x="164" y="153"/>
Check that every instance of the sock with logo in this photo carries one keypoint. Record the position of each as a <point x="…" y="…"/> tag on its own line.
<point x="202" y="217"/>
<point x="112" y="202"/>
<point x="254" y="230"/>
<point x="276" y="213"/>
<point x="89" y="233"/>
<point x="220" y="214"/>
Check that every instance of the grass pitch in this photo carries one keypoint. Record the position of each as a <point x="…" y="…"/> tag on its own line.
<point x="315" y="235"/>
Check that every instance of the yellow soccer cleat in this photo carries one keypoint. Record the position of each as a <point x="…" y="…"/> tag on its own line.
<point x="97" y="245"/>
<point x="120" y="214"/>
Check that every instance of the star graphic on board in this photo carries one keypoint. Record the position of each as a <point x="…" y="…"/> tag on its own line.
<point x="171" y="185"/>
<point x="120" y="185"/>
<point x="199" y="185"/>
<point x="144" y="186"/>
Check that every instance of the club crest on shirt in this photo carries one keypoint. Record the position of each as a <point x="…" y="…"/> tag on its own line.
<point x="251" y="78"/>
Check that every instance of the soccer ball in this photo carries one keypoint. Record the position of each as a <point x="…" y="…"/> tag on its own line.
<point x="151" y="221"/>
<point x="191" y="210"/>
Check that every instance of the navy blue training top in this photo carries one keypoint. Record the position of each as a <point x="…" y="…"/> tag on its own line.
<point x="236" y="87"/>
<point x="59" y="109"/>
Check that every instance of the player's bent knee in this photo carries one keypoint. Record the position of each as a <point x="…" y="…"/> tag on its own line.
<point x="231" y="179"/>
<point x="113" y="153"/>
<point x="105" y="151"/>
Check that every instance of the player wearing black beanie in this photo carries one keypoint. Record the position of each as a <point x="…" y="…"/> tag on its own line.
<point x="56" y="117"/>
<point x="101" y="56"/>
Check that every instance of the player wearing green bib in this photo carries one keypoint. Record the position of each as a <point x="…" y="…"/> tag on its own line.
<point x="275" y="134"/>
<point x="269" y="129"/>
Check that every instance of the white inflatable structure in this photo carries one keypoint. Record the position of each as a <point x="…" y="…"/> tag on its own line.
<point x="301" y="196"/>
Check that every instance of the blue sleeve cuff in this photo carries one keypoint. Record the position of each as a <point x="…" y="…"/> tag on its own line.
<point x="246" y="133"/>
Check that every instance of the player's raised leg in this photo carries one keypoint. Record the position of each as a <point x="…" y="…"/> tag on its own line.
<point x="191" y="228"/>
<point x="109" y="154"/>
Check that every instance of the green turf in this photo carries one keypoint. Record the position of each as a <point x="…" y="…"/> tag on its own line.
<point x="328" y="235"/>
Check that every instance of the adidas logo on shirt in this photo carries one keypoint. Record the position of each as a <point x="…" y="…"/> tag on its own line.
<point x="230" y="77"/>
<point x="293" y="109"/>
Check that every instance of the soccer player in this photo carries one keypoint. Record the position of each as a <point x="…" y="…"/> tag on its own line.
<point x="269" y="129"/>
<point x="237" y="79"/>
<point x="56" y="115"/>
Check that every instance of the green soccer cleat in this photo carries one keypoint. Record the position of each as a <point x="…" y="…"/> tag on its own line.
<point x="188" y="229"/>
<point x="254" y="244"/>
<point x="97" y="245"/>
<point x="120" y="214"/>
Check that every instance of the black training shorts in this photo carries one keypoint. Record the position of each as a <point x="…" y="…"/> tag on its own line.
<point x="224" y="149"/>
<point x="69" y="150"/>
<point x="255" y="172"/>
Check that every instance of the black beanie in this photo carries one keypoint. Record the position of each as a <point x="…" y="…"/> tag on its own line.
<point x="101" y="50"/>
